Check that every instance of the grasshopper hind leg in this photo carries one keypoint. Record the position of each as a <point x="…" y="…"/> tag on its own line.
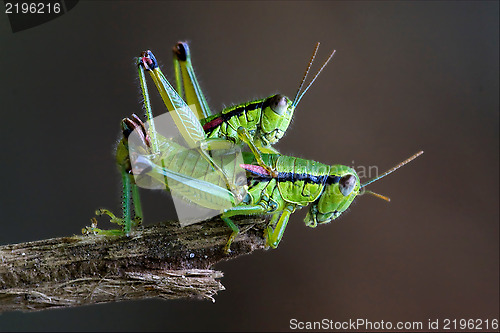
<point x="186" y="82"/>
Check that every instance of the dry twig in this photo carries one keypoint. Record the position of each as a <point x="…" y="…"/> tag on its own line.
<point x="162" y="260"/>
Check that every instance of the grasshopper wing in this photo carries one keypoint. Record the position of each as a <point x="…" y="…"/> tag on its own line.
<point x="199" y="191"/>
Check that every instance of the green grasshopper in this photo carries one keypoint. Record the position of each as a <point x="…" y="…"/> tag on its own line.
<point x="278" y="185"/>
<point x="260" y="123"/>
<point x="271" y="117"/>
<point x="328" y="189"/>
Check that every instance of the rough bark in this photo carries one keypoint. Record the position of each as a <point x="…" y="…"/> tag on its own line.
<point x="162" y="260"/>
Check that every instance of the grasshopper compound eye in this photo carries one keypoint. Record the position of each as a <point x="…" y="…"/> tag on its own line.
<point x="346" y="184"/>
<point x="278" y="104"/>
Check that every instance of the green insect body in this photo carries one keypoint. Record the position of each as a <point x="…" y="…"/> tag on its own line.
<point x="298" y="183"/>
<point x="266" y="120"/>
<point x="191" y="166"/>
<point x="205" y="172"/>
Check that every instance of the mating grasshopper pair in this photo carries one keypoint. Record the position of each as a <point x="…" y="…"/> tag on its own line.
<point x="206" y="167"/>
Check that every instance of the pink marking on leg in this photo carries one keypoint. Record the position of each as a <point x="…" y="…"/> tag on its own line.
<point x="255" y="169"/>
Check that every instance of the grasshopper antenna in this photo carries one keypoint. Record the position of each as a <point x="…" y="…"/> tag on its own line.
<point x="391" y="170"/>
<point x="297" y="99"/>
<point x="378" y="195"/>
<point x="306" y="72"/>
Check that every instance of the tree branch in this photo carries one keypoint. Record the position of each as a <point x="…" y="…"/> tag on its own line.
<point x="162" y="260"/>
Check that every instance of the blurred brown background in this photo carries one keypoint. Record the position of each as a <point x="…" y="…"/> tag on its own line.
<point x="406" y="76"/>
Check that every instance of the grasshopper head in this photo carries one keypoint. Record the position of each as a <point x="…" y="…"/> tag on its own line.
<point x="341" y="188"/>
<point x="277" y="112"/>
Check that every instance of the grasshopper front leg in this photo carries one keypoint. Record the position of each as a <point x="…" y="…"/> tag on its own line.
<point x="247" y="139"/>
<point x="274" y="233"/>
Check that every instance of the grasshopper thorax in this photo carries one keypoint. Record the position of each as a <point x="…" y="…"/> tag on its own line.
<point x="277" y="112"/>
<point x="341" y="187"/>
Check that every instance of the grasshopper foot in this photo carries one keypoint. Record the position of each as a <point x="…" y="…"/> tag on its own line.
<point x="227" y="247"/>
<point x="93" y="230"/>
<point x="126" y="224"/>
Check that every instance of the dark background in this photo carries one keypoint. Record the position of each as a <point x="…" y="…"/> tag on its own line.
<point x="406" y="76"/>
